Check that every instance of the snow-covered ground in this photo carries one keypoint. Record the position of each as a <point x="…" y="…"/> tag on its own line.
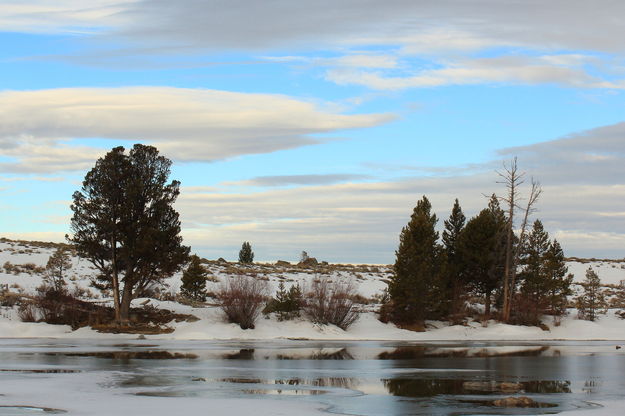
<point x="370" y="282"/>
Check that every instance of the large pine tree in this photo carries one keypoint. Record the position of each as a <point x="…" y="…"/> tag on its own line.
<point x="125" y="224"/>
<point x="453" y="263"/>
<point x="415" y="288"/>
<point x="481" y="245"/>
<point x="532" y="277"/>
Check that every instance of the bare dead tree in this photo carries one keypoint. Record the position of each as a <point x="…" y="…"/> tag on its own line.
<point x="535" y="193"/>
<point x="512" y="179"/>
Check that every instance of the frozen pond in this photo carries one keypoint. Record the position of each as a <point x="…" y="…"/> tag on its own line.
<point x="94" y="377"/>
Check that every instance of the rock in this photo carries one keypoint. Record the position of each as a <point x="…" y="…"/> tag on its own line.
<point x="310" y="261"/>
<point x="521" y="401"/>
<point x="222" y="260"/>
<point x="282" y="263"/>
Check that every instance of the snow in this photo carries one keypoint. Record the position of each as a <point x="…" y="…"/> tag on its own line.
<point x="369" y="280"/>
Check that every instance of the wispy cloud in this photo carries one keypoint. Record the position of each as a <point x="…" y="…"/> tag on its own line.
<point x="305" y="180"/>
<point x="550" y="69"/>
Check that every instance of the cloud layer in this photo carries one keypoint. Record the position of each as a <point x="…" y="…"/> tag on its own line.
<point x="186" y="124"/>
<point x="582" y="205"/>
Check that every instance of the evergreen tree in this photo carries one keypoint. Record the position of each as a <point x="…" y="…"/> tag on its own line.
<point x="453" y="263"/>
<point x="415" y="289"/>
<point x="533" y="277"/>
<point x="559" y="282"/>
<point x="287" y="303"/>
<point x="481" y="245"/>
<point x="125" y="224"/>
<point x="246" y="255"/>
<point x="532" y="302"/>
<point x="194" y="280"/>
<point x="592" y="302"/>
<point x="56" y="269"/>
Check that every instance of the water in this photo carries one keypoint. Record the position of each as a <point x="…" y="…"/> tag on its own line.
<point x="357" y="378"/>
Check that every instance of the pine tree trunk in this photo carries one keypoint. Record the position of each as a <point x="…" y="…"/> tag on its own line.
<point x="487" y="306"/>
<point x="125" y="303"/>
<point x="115" y="282"/>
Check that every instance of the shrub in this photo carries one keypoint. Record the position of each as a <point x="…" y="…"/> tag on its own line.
<point x="27" y="312"/>
<point x="287" y="303"/>
<point x="241" y="298"/>
<point x="331" y="302"/>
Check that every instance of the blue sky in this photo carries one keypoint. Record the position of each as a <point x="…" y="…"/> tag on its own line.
<point x="318" y="125"/>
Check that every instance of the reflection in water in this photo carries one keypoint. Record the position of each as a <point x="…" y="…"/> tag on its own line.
<point x="423" y="387"/>
<point x="547" y="386"/>
<point x="591" y="386"/>
<point x="127" y="355"/>
<point x="321" y="354"/>
<point x="39" y="371"/>
<point x="289" y="392"/>
<point x="414" y="352"/>
<point x="244" y="354"/>
<point x="430" y="387"/>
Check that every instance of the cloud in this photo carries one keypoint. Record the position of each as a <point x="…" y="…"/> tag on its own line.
<point x="550" y="69"/>
<point x="581" y="205"/>
<point x="305" y="180"/>
<point x="61" y="16"/>
<point x="186" y="124"/>
<point x="595" y="157"/>
<point x="466" y="24"/>
<point x="446" y="35"/>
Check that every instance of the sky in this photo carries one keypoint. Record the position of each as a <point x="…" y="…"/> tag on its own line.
<point x="317" y="125"/>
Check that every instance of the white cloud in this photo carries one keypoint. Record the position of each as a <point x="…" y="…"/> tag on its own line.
<point x="186" y="124"/>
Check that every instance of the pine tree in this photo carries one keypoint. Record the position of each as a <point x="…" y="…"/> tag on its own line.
<point x="415" y="288"/>
<point x="125" y="224"/>
<point x="481" y="245"/>
<point x="534" y="281"/>
<point x="194" y="280"/>
<point x="56" y="269"/>
<point x="592" y="302"/>
<point x="453" y="266"/>
<point x="246" y="255"/>
<point x="287" y="303"/>
<point x="559" y="282"/>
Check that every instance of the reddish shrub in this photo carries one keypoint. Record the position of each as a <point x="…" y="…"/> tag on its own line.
<point x="242" y="298"/>
<point x="331" y="302"/>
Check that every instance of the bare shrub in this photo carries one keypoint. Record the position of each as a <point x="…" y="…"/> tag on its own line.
<point x="28" y="312"/>
<point x="242" y="298"/>
<point x="331" y="302"/>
